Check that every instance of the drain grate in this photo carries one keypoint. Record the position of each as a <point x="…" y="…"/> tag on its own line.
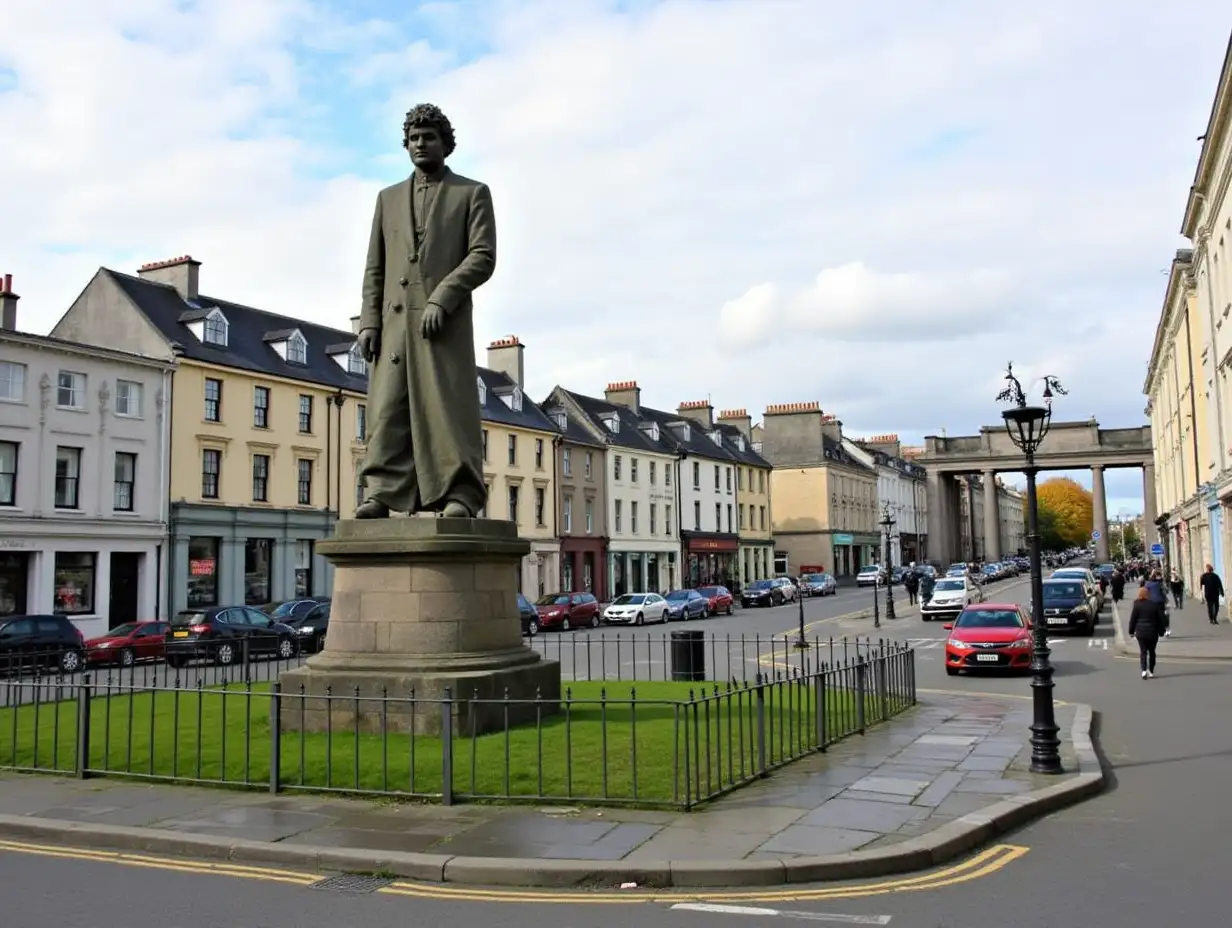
<point x="354" y="884"/>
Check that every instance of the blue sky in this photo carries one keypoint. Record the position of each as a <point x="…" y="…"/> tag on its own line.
<point x="755" y="201"/>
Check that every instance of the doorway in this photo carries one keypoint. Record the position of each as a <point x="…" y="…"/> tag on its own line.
<point x="125" y="585"/>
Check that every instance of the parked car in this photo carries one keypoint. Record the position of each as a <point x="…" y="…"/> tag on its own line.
<point x="128" y="643"/>
<point x="1087" y="576"/>
<point x="990" y="636"/>
<point x="311" y="626"/>
<point x="529" y="616"/>
<point x="40" y="641"/>
<point x="222" y="633"/>
<point x="871" y="575"/>
<point x="567" y="611"/>
<point x="951" y="595"/>
<point x="787" y="589"/>
<point x="636" y="609"/>
<point x="956" y="570"/>
<point x="293" y="608"/>
<point x="1069" y="603"/>
<point x="761" y="593"/>
<point x="719" y="599"/>
<point x="686" y="604"/>
<point x="818" y="585"/>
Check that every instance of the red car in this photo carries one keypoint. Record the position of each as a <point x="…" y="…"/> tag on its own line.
<point x="989" y="636"/>
<point x="720" y="599"/>
<point x="128" y="643"/>
<point x="567" y="611"/>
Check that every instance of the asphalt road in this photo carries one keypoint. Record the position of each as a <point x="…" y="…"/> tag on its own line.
<point x="1151" y="850"/>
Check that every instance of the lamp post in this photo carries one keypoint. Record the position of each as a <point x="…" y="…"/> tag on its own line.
<point x="1027" y="425"/>
<point x="887" y="526"/>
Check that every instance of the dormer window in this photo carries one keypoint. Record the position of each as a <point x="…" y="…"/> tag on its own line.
<point x="356" y="365"/>
<point x="214" y="329"/>
<point x="717" y="437"/>
<point x="682" y="429"/>
<point x="652" y="430"/>
<point x="612" y="421"/>
<point x="483" y="392"/>
<point x="740" y="443"/>
<point x="561" y="420"/>
<point x="297" y="349"/>
<point x="513" y="399"/>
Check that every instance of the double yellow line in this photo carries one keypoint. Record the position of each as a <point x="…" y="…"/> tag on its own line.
<point x="980" y="865"/>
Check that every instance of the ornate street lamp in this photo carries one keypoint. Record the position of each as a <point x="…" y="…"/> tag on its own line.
<point x="887" y="525"/>
<point x="1027" y="425"/>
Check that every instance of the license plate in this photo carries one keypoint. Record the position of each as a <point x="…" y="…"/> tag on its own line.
<point x="179" y="634"/>
<point x="1059" y="620"/>
<point x="988" y="657"/>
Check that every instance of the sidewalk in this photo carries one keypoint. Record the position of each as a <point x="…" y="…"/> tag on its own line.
<point x="936" y="783"/>
<point x="1193" y="636"/>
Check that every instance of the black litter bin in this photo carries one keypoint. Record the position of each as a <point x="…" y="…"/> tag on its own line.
<point x="689" y="655"/>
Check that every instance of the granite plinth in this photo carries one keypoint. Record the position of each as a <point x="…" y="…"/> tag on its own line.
<point x="422" y="608"/>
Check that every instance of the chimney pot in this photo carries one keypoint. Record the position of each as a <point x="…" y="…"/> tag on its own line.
<point x="8" y="305"/>
<point x="182" y="273"/>
<point x="506" y="355"/>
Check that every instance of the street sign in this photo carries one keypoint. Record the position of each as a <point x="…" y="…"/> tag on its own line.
<point x="1157" y="550"/>
<point x="1095" y="535"/>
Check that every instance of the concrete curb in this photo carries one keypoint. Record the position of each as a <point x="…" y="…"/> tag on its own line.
<point x="946" y="843"/>
<point x="1129" y="648"/>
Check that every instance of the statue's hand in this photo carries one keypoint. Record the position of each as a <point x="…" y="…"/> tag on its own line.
<point x="433" y="321"/>
<point x="369" y="341"/>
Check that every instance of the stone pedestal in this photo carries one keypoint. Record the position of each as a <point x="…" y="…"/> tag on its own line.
<point x="421" y="606"/>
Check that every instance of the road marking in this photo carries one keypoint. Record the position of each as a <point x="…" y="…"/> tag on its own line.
<point x="780" y="913"/>
<point x="1099" y="644"/>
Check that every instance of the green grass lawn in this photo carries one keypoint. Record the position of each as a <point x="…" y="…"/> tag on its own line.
<point x="659" y="749"/>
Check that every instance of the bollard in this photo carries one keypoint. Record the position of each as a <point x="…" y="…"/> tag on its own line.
<point x="446" y="748"/>
<point x="861" y="688"/>
<point x="275" y="724"/>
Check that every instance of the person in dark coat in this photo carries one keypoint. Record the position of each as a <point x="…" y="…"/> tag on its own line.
<point x="1146" y="623"/>
<point x="1118" y="585"/>
<point x="912" y="584"/>
<point x="1177" y="587"/>
<point x="1155" y="589"/>
<point x="1212" y="590"/>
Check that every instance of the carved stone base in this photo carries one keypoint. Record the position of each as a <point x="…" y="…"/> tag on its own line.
<point x="421" y="606"/>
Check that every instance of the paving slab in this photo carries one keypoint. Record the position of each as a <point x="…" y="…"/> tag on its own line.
<point x="1193" y="636"/>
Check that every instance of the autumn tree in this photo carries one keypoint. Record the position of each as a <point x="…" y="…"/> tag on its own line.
<point x="1070" y="511"/>
<point x="1050" y="536"/>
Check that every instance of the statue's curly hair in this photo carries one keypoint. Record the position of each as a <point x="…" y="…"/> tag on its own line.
<point x="429" y="116"/>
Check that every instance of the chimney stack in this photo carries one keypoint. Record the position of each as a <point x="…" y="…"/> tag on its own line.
<point x="181" y="273"/>
<point x="505" y="356"/>
<point x="792" y="434"/>
<point x="8" y="304"/>
<point x="624" y="393"/>
<point x="886" y="444"/>
<point x="699" y="411"/>
<point x="741" y="419"/>
<point x="355" y="327"/>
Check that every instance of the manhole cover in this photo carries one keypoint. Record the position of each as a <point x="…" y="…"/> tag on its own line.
<point x="353" y="883"/>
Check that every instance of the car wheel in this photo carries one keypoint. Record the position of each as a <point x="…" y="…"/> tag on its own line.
<point x="566" y="625"/>
<point x="225" y="654"/>
<point x="594" y="622"/>
<point x="127" y="657"/>
<point x="730" y="608"/>
<point x="705" y="612"/>
<point x="70" y="661"/>
<point x="286" y="648"/>
<point x="640" y="620"/>
<point x="532" y="628"/>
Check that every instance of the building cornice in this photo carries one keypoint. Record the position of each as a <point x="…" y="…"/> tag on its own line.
<point x="262" y="377"/>
<point x="1176" y="295"/>
<point x="1208" y="158"/>
<point x="62" y="346"/>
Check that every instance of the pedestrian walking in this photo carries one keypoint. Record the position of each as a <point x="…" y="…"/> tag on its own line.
<point x="1177" y="586"/>
<point x="1212" y="592"/>
<point x="1146" y="623"/>
<point x="1118" y="585"/>
<point x="912" y="584"/>
<point x="1155" y="590"/>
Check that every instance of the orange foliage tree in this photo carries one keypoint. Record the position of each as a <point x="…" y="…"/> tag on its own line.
<point x="1069" y="508"/>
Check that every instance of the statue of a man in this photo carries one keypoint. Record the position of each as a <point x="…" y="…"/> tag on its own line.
<point x="433" y="242"/>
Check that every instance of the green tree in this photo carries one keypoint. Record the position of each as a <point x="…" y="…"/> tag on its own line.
<point x="1070" y="508"/>
<point x="1050" y="535"/>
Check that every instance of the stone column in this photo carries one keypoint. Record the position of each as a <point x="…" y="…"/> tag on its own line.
<point x="992" y="518"/>
<point x="970" y="554"/>
<point x="1150" y="532"/>
<point x="939" y="519"/>
<point x="1100" y="504"/>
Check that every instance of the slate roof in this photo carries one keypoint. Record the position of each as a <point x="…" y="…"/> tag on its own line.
<point x="834" y="451"/>
<point x="748" y="455"/>
<point x="904" y="467"/>
<point x="495" y="410"/>
<point x="249" y="330"/>
<point x="574" y="432"/>
<point x="631" y="434"/>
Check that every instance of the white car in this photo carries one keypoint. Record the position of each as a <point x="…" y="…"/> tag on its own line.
<point x="951" y="596"/>
<point x="636" y="609"/>
<point x="872" y="575"/>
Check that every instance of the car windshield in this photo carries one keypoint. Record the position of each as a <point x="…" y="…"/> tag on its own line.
<point x="282" y="610"/>
<point x="870" y="570"/>
<point x="189" y="618"/>
<point x="677" y="595"/>
<point x="630" y="599"/>
<point x="756" y="585"/>
<point x="122" y="631"/>
<point x="989" y="618"/>
<point x="709" y="591"/>
<point x="552" y="599"/>
<point x="814" y="578"/>
<point x="943" y="585"/>
<point x="1070" y="572"/>
<point x="1059" y="591"/>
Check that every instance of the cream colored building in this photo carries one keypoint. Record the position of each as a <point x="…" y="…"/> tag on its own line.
<point x="754" y="500"/>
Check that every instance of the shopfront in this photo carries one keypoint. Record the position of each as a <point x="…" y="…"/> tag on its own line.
<point x="641" y="571"/>
<point x="710" y="559"/>
<point x="756" y="560"/>
<point x="14" y="582"/>
<point x="582" y="562"/>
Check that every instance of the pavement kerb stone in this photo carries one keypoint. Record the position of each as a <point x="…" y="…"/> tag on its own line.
<point x="946" y="843"/>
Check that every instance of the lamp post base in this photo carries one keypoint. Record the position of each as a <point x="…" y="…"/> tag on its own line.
<point x="1045" y="733"/>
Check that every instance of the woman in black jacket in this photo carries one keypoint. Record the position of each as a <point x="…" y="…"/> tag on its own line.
<point x="1147" y="623"/>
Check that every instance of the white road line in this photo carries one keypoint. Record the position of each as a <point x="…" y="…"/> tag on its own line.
<point x="1100" y="644"/>
<point x="780" y="913"/>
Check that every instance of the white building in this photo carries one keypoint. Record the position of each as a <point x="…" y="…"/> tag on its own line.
<point x="84" y="440"/>
<point x="900" y="486"/>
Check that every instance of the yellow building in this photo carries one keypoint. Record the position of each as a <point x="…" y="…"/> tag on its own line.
<point x="267" y="417"/>
<point x="519" y="464"/>
<point x="825" y="500"/>
<point x="1178" y="407"/>
<point x="755" y="522"/>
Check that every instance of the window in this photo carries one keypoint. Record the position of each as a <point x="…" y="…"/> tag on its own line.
<point x="513" y="503"/>
<point x="202" y="572"/>
<point x="304" y="479"/>
<point x="633" y="517"/>
<point x="297" y="349"/>
<point x="763" y="517"/>
<point x="729" y="487"/>
<point x="303" y="567"/>
<point x="71" y="390"/>
<point x="617" y="461"/>
<point x="633" y="470"/>
<point x="618" y="516"/>
<point x="260" y="407"/>
<point x="667" y="520"/>
<point x="740" y="479"/>
<point x="8" y="473"/>
<point x="539" y="455"/>
<point x="653" y="520"/>
<point x="653" y="468"/>
<point x="74" y="582"/>
<point x="12" y="381"/>
<point x="513" y="450"/>
<point x="485" y="446"/>
<point x="590" y="516"/>
<point x="590" y="465"/>
<point x="729" y="517"/>
<point x="541" y="502"/>
<point x="215" y="329"/>
<point x="566" y="462"/>
<point x="568" y="516"/>
<point x="305" y="413"/>
<point x="125" y="480"/>
<point x="68" y="477"/>
<point x="211" y="465"/>
<point x="718" y="517"/>
<point x="697" y="516"/>
<point x="697" y="476"/>
<point x="716" y="476"/>
<point x="128" y="399"/>
<point x="356" y="365"/>
<point x="483" y="391"/>
<point x="667" y="476"/>
<point x="761" y="481"/>
<point x="213" y="400"/>
<point x="260" y="478"/>
<point x="361" y="422"/>
<point x="258" y="561"/>
<point x="742" y="516"/>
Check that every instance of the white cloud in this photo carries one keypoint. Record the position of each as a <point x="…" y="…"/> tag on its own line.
<point x="669" y="178"/>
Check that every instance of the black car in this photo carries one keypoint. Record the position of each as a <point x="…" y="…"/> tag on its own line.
<point x="310" y="627"/>
<point x="34" y="641"/>
<point x="529" y="616"/>
<point x="1068" y="604"/>
<point x="223" y="633"/>
<point x="760" y="593"/>
<point x="293" y="608"/>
